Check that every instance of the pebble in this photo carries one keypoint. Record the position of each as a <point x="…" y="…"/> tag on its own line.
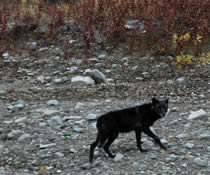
<point x="102" y="56"/>
<point x="77" y="129"/>
<point x="53" y="102"/>
<point x="57" y="80"/>
<point x="205" y="136"/>
<point x="55" y="122"/>
<point x="21" y="120"/>
<point x="24" y="137"/>
<point x="180" y="136"/>
<point x="59" y="155"/>
<point x="197" y="114"/>
<point x="164" y="141"/>
<point x="80" y="80"/>
<point x="180" y="80"/>
<point x="96" y="75"/>
<point x="91" y="116"/>
<point x="189" y="145"/>
<point x="44" y="146"/>
<point x="118" y="157"/>
<point x="14" y="133"/>
<point x="41" y="79"/>
<point x="151" y="156"/>
<point x="33" y="45"/>
<point x="200" y="162"/>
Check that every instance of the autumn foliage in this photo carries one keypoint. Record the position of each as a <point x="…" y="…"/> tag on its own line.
<point x="165" y="22"/>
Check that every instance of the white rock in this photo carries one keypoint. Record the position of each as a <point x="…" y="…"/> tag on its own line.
<point x="5" y="55"/>
<point x="205" y="136"/>
<point x="40" y="79"/>
<point x="14" y="133"/>
<point x="44" y="146"/>
<point x="118" y="157"/>
<point x="24" y="137"/>
<point x="189" y="145"/>
<point x="102" y="57"/>
<point x="33" y="45"/>
<point x="21" y="120"/>
<point x="82" y="80"/>
<point x="79" y="105"/>
<point x="199" y="162"/>
<point x="53" y="102"/>
<point x="180" y="80"/>
<point x="164" y="141"/>
<point x="55" y="121"/>
<point x="59" y="155"/>
<point x="181" y="136"/>
<point x="48" y="112"/>
<point x="91" y="116"/>
<point x="197" y="114"/>
<point x="96" y="75"/>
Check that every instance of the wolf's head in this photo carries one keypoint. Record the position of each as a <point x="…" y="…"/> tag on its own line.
<point x="160" y="107"/>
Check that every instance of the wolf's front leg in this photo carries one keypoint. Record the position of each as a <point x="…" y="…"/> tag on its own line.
<point x="138" y="140"/>
<point x="156" y="138"/>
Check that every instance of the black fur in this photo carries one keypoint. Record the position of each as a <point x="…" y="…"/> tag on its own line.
<point x="137" y="119"/>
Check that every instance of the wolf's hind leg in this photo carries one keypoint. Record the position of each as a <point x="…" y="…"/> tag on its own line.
<point x="111" y="139"/>
<point x="92" y="147"/>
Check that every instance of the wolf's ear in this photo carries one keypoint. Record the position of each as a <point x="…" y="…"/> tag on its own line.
<point x="154" y="100"/>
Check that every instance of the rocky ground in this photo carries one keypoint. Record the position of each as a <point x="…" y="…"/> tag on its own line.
<point x="48" y="113"/>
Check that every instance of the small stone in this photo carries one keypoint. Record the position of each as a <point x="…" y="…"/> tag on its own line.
<point x="44" y="146"/>
<point x="14" y="133"/>
<point x="180" y="80"/>
<point x="151" y="156"/>
<point x="91" y="116"/>
<point x="57" y="80"/>
<point x="189" y="145"/>
<point x="199" y="162"/>
<point x="48" y="112"/>
<point x="24" y="137"/>
<point x="139" y="78"/>
<point x="77" y="129"/>
<point x="164" y="141"/>
<point x="55" y="122"/>
<point x="16" y="107"/>
<point x="58" y="171"/>
<point x="208" y="148"/>
<point x="118" y="157"/>
<point x="40" y="79"/>
<point x="96" y="75"/>
<point x="102" y="57"/>
<point x="59" y="155"/>
<point x="42" y="124"/>
<point x="181" y="136"/>
<point x="92" y="126"/>
<point x="21" y="120"/>
<point x="80" y="80"/>
<point x="77" y="61"/>
<point x="79" y="105"/>
<point x="5" y="55"/>
<point x="72" y="150"/>
<point x="33" y="45"/>
<point x="53" y="102"/>
<point x="197" y="114"/>
<point x="170" y="82"/>
<point x="205" y="136"/>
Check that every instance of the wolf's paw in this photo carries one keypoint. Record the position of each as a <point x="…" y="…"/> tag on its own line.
<point x="163" y="147"/>
<point x="143" y="150"/>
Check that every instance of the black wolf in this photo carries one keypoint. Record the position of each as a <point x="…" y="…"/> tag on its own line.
<point x="138" y="119"/>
